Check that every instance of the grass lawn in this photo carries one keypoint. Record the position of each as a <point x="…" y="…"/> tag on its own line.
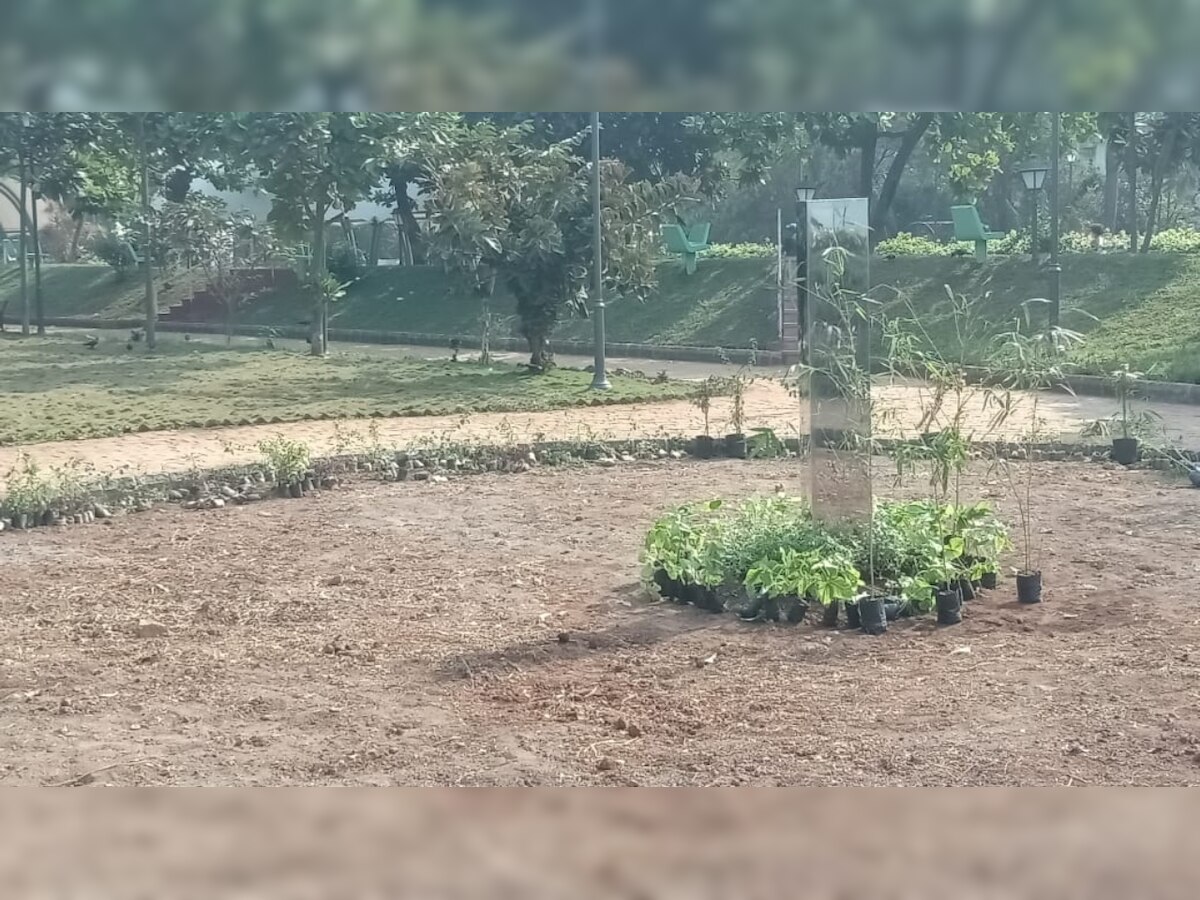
<point x="56" y="389"/>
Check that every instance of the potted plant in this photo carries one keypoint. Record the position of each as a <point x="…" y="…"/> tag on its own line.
<point x="736" y="442"/>
<point x="702" y="400"/>
<point x="835" y="581"/>
<point x="1029" y="363"/>
<point x="780" y="585"/>
<point x="1126" y="426"/>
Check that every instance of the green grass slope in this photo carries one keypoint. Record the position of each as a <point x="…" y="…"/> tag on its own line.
<point x="1141" y="309"/>
<point x="88" y="291"/>
<point x="726" y="303"/>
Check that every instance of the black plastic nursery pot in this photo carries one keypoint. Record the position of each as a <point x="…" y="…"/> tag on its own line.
<point x="1029" y="587"/>
<point x="706" y="598"/>
<point x="704" y="446"/>
<point x="667" y="586"/>
<point x="949" y="607"/>
<point x="872" y="612"/>
<point x="853" y="619"/>
<point x="735" y="446"/>
<point x="829" y="618"/>
<point x="792" y="609"/>
<point x="966" y="589"/>
<point x="988" y="581"/>
<point x="1125" y="450"/>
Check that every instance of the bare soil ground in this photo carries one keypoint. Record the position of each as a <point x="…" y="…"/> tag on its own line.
<point x="492" y="631"/>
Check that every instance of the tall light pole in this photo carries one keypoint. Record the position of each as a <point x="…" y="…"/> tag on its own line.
<point x="1055" y="268"/>
<point x="599" y="376"/>
<point x="1034" y="176"/>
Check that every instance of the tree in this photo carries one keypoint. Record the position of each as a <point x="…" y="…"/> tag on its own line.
<point x="1172" y="139"/>
<point x="204" y="228"/>
<point x="314" y="165"/>
<point x="524" y="213"/>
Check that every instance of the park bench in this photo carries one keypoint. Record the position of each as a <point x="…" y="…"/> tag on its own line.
<point x="687" y="244"/>
<point x="969" y="227"/>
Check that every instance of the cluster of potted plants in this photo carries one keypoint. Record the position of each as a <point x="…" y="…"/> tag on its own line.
<point x="768" y="559"/>
<point x="290" y="464"/>
<point x="736" y="443"/>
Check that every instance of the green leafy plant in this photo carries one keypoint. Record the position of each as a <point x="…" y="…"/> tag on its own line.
<point x="1143" y="424"/>
<point x="764" y="443"/>
<point x="763" y="250"/>
<point x="288" y="459"/>
<point x="29" y="490"/>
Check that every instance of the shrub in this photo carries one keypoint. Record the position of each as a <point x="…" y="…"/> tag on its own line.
<point x="905" y="244"/>
<point x="289" y="460"/>
<point x="763" y="250"/>
<point x="114" y="251"/>
<point x="1177" y="240"/>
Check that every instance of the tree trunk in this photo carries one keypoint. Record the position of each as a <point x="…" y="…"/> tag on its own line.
<point x="1156" y="184"/>
<point x="150" y="302"/>
<point x="1112" y="183"/>
<point x="73" y="252"/>
<point x="891" y="182"/>
<point x="22" y="247"/>
<point x="316" y="276"/>
<point x="1131" y="162"/>
<point x="539" y="349"/>
<point x="866" y="163"/>
<point x="411" y="231"/>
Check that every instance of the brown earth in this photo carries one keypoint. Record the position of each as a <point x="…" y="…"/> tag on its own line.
<point x="492" y="631"/>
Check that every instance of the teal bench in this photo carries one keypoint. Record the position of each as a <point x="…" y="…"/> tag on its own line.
<point x="969" y="227"/>
<point x="687" y="244"/>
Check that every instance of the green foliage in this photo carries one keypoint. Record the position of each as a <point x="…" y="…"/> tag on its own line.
<point x="905" y="244"/>
<point x="287" y="459"/>
<point x="115" y="251"/>
<point x="525" y="215"/>
<point x="30" y="490"/>
<point x="773" y="547"/>
<point x="763" y="250"/>
<point x="1176" y="240"/>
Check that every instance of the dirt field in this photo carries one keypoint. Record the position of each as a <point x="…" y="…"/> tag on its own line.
<point x="491" y="631"/>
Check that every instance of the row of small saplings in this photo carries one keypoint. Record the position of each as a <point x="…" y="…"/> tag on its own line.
<point x="869" y="611"/>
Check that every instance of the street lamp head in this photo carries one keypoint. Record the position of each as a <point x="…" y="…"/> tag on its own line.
<point x="1034" y="176"/>
<point x="1071" y="157"/>
<point x="804" y="194"/>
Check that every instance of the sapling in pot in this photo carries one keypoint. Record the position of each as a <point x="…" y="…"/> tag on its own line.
<point x="736" y="441"/>
<point x="1127" y="426"/>
<point x="1030" y="364"/>
<point x="702" y="400"/>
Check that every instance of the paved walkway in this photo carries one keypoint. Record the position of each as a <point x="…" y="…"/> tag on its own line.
<point x="768" y="404"/>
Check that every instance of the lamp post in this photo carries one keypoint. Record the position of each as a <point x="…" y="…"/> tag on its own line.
<point x="1071" y="157"/>
<point x="1034" y="176"/>
<point x="803" y="195"/>
<point x="1055" y="209"/>
<point x="599" y="376"/>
